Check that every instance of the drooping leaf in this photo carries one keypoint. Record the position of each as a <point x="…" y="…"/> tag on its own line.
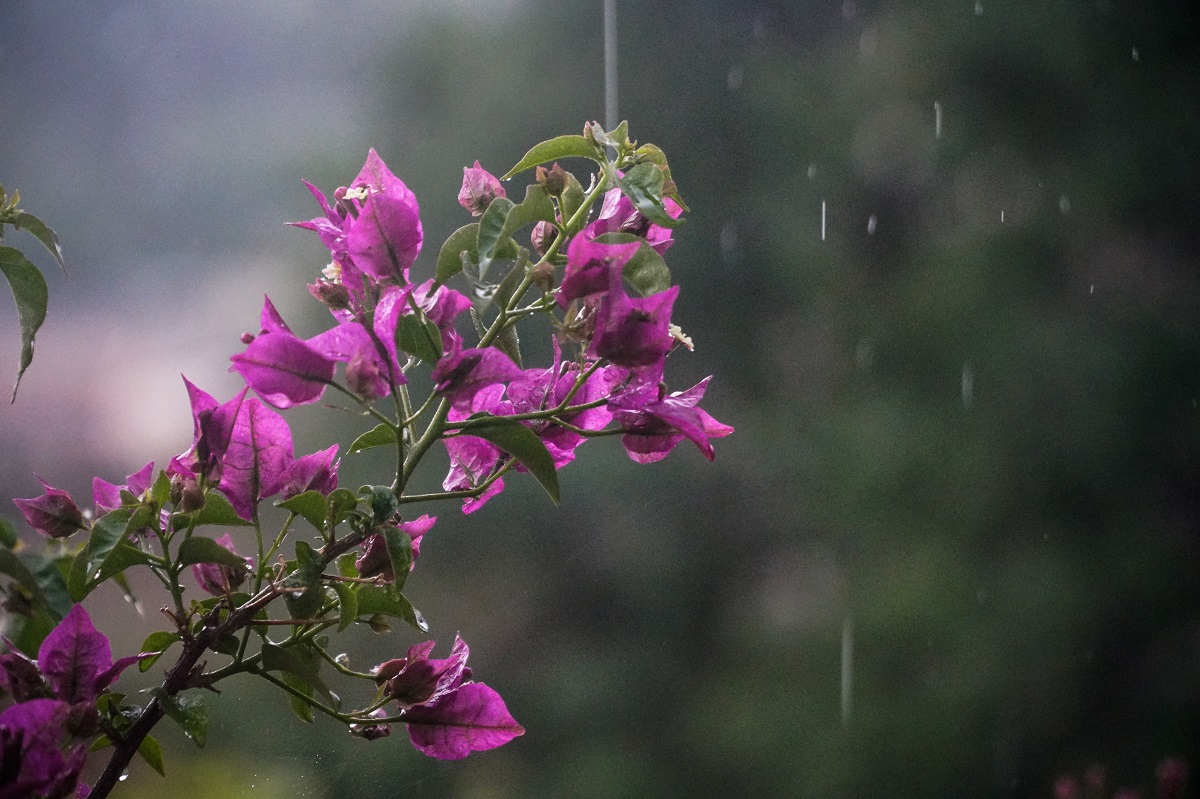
<point x="347" y="605"/>
<point x="449" y="260"/>
<point x="189" y="711"/>
<point x="491" y="229"/>
<point x="571" y="146"/>
<point x="523" y="444"/>
<point x="388" y="601"/>
<point x="43" y="233"/>
<point x="151" y="752"/>
<point x="31" y="296"/>
<point x="643" y="185"/>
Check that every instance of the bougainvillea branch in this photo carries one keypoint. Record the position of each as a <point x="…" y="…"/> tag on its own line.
<point x="594" y="278"/>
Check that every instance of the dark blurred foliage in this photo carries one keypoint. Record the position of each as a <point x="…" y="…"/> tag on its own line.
<point x="968" y="435"/>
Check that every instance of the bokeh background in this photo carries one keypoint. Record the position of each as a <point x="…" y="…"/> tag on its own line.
<point x="942" y="261"/>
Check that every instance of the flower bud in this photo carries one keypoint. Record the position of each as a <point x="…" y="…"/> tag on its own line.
<point x="54" y="514"/>
<point x="333" y="295"/>
<point x="542" y="237"/>
<point x="554" y="180"/>
<point x="372" y="732"/>
<point x="479" y="188"/>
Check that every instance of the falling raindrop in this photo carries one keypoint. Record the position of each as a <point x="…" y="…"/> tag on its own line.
<point x="979" y="8"/>
<point x="872" y="222"/>
<point x="729" y="241"/>
<point x="1092" y="289"/>
<point x="812" y="171"/>
<point x="1135" y="54"/>
<point x="1064" y="203"/>
<point x="937" y="120"/>
<point x="864" y="353"/>
<point x="968" y="384"/>
<point x="1002" y="217"/>
<point x="759" y="29"/>
<point x="734" y="79"/>
<point x="847" y="668"/>
<point x="822" y="220"/>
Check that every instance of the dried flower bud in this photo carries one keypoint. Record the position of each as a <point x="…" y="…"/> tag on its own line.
<point x="554" y="180"/>
<point x="479" y="188"/>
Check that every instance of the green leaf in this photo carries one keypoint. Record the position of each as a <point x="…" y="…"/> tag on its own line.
<point x="217" y="510"/>
<point x="199" y="549"/>
<point x="420" y="339"/>
<point x="522" y="443"/>
<point x="345" y="565"/>
<point x="449" y="260"/>
<point x="31" y="295"/>
<point x="42" y="232"/>
<point x="51" y="576"/>
<point x="503" y="294"/>
<point x="347" y="605"/>
<point x="308" y="566"/>
<point x="189" y="712"/>
<point x="553" y="149"/>
<point x="572" y="198"/>
<point x="491" y="230"/>
<point x="312" y="505"/>
<point x="160" y="492"/>
<point x="303" y="608"/>
<point x="11" y="565"/>
<point x="152" y="753"/>
<point x="646" y="271"/>
<point x="300" y="661"/>
<point x="8" y="533"/>
<point x="342" y="502"/>
<point x="300" y="709"/>
<point x="536" y="207"/>
<point x="122" y="556"/>
<point x="643" y="185"/>
<point x="157" y="642"/>
<point x="387" y="601"/>
<point x="383" y="502"/>
<point x="653" y="154"/>
<point x="399" y="547"/>
<point x="106" y="533"/>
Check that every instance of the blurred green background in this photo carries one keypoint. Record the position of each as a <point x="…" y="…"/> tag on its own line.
<point x="941" y="261"/>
